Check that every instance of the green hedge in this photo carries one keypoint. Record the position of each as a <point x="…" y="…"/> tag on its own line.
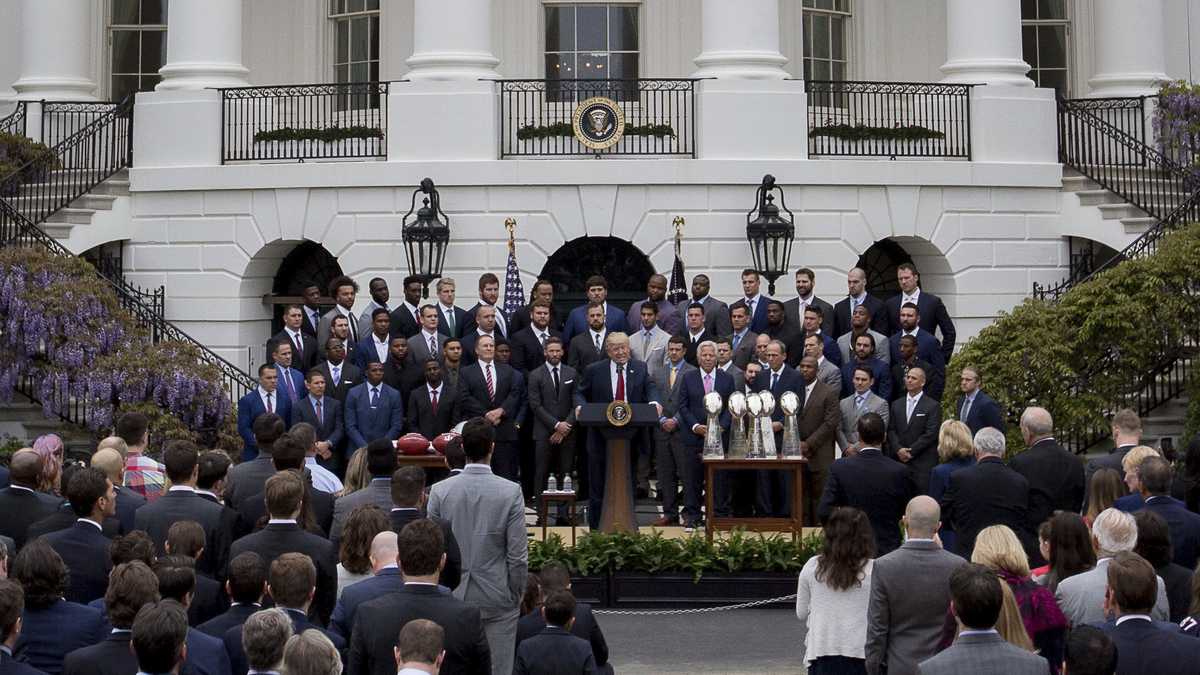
<point x="1107" y="332"/>
<point x="328" y="135"/>
<point x="531" y="131"/>
<point x="863" y="132"/>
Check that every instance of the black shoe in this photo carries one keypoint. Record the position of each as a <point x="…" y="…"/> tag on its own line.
<point x="641" y="493"/>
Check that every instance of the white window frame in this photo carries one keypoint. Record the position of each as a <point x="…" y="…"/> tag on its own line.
<point x="335" y="19"/>
<point x="637" y="6"/>
<point x="847" y="20"/>
<point x="109" y="42"/>
<point x="1068" y="48"/>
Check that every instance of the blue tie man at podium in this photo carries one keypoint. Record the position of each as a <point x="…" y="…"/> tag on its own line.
<point x="617" y="377"/>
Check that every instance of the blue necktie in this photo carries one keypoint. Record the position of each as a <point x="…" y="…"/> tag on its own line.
<point x="374" y="396"/>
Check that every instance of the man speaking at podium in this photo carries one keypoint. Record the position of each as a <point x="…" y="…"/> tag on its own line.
<point x="615" y="378"/>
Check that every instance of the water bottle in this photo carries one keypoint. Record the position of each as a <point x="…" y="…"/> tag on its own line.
<point x="567" y="484"/>
<point x="552" y="484"/>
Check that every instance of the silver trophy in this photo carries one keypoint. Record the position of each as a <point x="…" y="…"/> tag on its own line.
<point x="712" y="437"/>
<point x="739" y="439"/>
<point x="789" y="402"/>
<point x="754" y="408"/>
<point x="765" y="424"/>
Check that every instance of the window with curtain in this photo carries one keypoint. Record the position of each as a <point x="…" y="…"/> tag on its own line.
<point x="1046" y="43"/>
<point x="137" y="38"/>
<point x="591" y="41"/>
<point x="826" y="43"/>
<point x="356" y="46"/>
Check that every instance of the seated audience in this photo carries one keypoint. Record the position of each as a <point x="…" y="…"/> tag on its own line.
<point x="989" y="493"/>
<point x="51" y="627"/>
<point x="12" y="605"/>
<point x="554" y="577"/>
<point x="1143" y="644"/>
<point x="316" y="513"/>
<point x="1069" y="549"/>
<point x="159" y="638"/>
<point x="131" y="586"/>
<point x="555" y="651"/>
<point x="1089" y="652"/>
<point x="245" y="586"/>
<point x="419" y="651"/>
<point x="311" y="653"/>
<point x="381" y="464"/>
<point x="354" y="548"/>
<point x="1154" y="545"/>
<point x="385" y="579"/>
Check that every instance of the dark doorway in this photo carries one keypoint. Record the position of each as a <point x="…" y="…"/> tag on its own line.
<point x="880" y="263"/>
<point x="625" y="267"/>
<point x="308" y="263"/>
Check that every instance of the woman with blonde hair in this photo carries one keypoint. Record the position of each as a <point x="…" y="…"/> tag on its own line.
<point x="357" y="476"/>
<point x="1103" y="491"/>
<point x="1132" y="501"/>
<point x="51" y="449"/>
<point x="311" y="653"/>
<point x="955" y="451"/>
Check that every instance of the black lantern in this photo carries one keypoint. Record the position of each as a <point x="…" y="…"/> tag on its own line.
<point x="770" y="233"/>
<point x="425" y="238"/>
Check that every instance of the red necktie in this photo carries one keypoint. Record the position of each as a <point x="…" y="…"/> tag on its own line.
<point x="491" y="385"/>
<point x="433" y="400"/>
<point x="620" y="396"/>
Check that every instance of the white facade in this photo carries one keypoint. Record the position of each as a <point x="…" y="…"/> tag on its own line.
<point x="981" y="231"/>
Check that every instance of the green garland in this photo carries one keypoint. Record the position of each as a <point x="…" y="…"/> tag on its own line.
<point x="328" y="135"/>
<point x="863" y="132"/>
<point x="532" y="131"/>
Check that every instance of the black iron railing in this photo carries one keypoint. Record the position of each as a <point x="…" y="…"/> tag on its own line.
<point x="63" y="119"/>
<point x="15" y="121"/>
<point x="299" y="122"/>
<point x="1126" y="113"/>
<point x="888" y="119"/>
<point x="536" y="117"/>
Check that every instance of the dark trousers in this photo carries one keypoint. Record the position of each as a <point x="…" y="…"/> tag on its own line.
<point x="814" y="487"/>
<point x="505" y="461"/>
<point x="677" y="464"/>
<point x="557" y="459"/>
<point x="527" y="458"/>
<point x="837" y="665"/>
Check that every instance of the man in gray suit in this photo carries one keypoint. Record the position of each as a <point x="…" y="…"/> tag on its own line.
<point x="861" y="402"/>
<point x="248" y="478"/>
<point x="979" y="649"/>
<point x="741" y="338"/>
<point x="551" y="400"/>
<point x="649" y="343"/>
<point x="381" y="463"/>
<point x="828" y="373"/>
<point x="725" y="362"/>
<point x="716" y="313"/>
<point x="668" y="445"/>
<point x="487" y="515"/>
<point x="420" y="348"/>
<point x="1081" y="597"/>
<point x="909" y="595"/>
<point x="793" y="310"/>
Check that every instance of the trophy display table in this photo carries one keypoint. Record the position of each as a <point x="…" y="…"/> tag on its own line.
<point x="423" y="461"/>
<point x="544" y="501"/>
<point x="794" y="524"/>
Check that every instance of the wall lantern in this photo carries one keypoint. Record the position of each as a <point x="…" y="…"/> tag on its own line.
<point x="426" y="237"/>
<point x="770" y="233"/>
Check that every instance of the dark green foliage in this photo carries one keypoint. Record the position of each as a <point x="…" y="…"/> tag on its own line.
<point x="863" y="132"/>
<point x="328" y="135"/>
<point x="564" y="129"/>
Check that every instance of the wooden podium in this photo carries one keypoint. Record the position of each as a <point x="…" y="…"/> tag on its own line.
<point x="616" y="515"/>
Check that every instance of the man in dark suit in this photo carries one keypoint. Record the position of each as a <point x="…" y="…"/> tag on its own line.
<point x="12" y="606"/>
<point x="988" y="493"/>
<point x="805" y="298"/>
<point x="406" y="318"/>
<point x="754" y="301"/>
<point x="542" y="290"/>
<point x="246" y="585"/>
<point x="399" y="371"/>
<point x="130" y="586"/>
<point x="433" y="408"/>
<point x="494" y="391"/>
<point x="555" y="649"/>
<point x="1143" y="645"/>
<point x="304" y="346"/>
<point x="817" y="423"/>
<point x="340" y="374"/>
<point x="813" y="317"/>
<point x="552" y="402"/>
<point x="716" y="313"/>
<point x="408" y="504"/>
<point x="671" y="457"/>
<point x="742" y="340"/>
<point x="385" y="578"/>
<point x="182" y="503"/>
<point x="83" y="547"/>
<point x="615" y="378"/>
<point x="867" y="480"/>
<point x="935" y="380"/>
<point x="843" y="312"/>
<point x="283" y="494"/>
<point x="21" y="505"/>
<point x="528" y="343"/>
<point x="288" y="455"/>
<point x="185" y="540"/>
<point x="248" y="478"/>
<point x="374" y="345"/>
<point x="556" y="578"/>
<point x="1154" y="477"/>
<point x="1126" y="434"/>
<point x="579" y="321"/>
<point x="325" y="415"/>
<point x="373" y="410"/>
<point x="452" y="319"/>
<point x="928" y="348"/>
<point x="587" y="347"/>
<point x="109" y="461"/>
<point x="489" y="296"/>
<point x="265" y="399"/>
<point x="378" y="622"/>
<point x="694" y="332"/>
<point x="975" y="408"/>
<point x="1055" y="476"/>
<point x="429" y="342"/>
<point x="773" y="489"/>
<point x="177" y="583"/>
<point x="311" y="309"/>
<point x="930" y="308"/>
<point x="486" y="326"/>
<point x="290" y="383"/>
<point x="693" y="420"/>
<point x="913" y="426"/>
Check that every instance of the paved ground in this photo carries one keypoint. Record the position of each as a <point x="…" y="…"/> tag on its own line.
<point x="747" y="641"/>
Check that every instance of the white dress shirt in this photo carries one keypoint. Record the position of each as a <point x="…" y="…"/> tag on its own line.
<point x="322" y="478"/>
<point x="381" y="347"/>
<point x="262" y="394"/>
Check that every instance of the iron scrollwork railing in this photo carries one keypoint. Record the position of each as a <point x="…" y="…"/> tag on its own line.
<point x="63" y="119"/>
<point x="536" y="117"/>
<point x="15" y="121"/>
<point x="298" y="122"/>
<point x="1126" y="113"/>
<point x="888" y="119"/>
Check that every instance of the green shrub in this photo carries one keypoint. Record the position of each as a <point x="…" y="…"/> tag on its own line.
<point x="328" y="135"/>
<point x="864" y="132"/>
<point x="565" y="129"/>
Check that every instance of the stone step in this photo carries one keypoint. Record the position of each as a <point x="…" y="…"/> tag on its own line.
<point x="95" y="201"/>
<point x="1077" y="183"/>
<point x="1138" y="224"/>
<point x="72" y="215"/>
<point x="1094" y="197"/>
<point x="1119" y="211"/>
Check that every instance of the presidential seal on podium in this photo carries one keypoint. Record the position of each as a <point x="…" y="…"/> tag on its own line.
<point x="619" y="413"/>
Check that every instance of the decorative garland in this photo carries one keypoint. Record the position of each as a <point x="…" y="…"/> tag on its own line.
<point x="328" y="135"/>
<point x="863" y="132"/>
<point x="557" y="129"/>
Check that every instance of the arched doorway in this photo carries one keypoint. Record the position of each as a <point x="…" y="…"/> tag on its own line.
<point x="1087" y="255"/>
<point x="307" y="263"/>
<point x="880" y="263"/>
<point x="625" y="267"/>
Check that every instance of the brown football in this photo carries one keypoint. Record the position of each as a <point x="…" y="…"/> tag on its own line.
<point x="413" y="444"/>
<point x="440" y="441"/>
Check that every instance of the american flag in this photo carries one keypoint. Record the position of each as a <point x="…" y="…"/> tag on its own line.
<point x="514" y="290"/>
<point x="677" y="290"/>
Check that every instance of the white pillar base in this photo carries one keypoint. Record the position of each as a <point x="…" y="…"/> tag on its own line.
<point x="453" y="66"/>
<point x="763" y="65"/>
<point x="778" y="131"/>
<point x="166" y="115"/>
<point x="466" y="128"/>
<point x="55" y="89"/>
<point x="1013" y="124"/>
<point x="1009" y="72"/>
<point x="1126" y="84"/>
<point x="201" y="76"/>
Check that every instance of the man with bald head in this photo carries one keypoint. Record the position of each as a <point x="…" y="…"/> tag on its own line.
<point x="910" y="591"/>
<point x="385" y="579"/>
<point x="817" y="423"/>
<point x="112" y="465"/>
<point x="913" y="424"/>
<point x="21" y="505"/>
<point x="843" y="312"/>
<point x="1055" y="476"/>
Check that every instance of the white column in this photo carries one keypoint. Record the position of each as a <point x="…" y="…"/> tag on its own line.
<point x="1129" y="38"/>
<point x="56" y="51"/>
<point x="452" y="40"/>
<point x="204" y="45"/>
<point x="740" y="40"/>
<point x="983" y="43"/>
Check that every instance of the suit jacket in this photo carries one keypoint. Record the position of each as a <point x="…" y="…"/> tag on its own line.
<point x="1146" y="647"/>
<point x="878" y="485"/>
<point x="20" y="508"/>
<point x="670" y="395"/>
<point x="585" y="627"/>
<point x="935" y="383"/>
<point x="1183" y="525"/>
<point x="987" y="654"/>
<point x="331" y="425"/>
<point x="690" y="408"/>
<point x="274" y="540"/>
<point x="527" y="350"/>
<point x="326" y="327"/>
<point x="1055" y="479"/>
<point x="738" y="375"/>
<point x="548" y="406"/>
<point x="377" y="492"/>
<point x="884" y="386"/>
<point x="110" y="657"/>
<point x="791" y="310"/>
<point x="716" y="315"/>
<point x="235" y="616"/>
<point x="365" y="320"/>
<point x="364" y="423"/>
<point x="554" y="651"/>
<point x="205" y="655"/>
<point x="576" y="323"/>
<point x="65" y="518"/>
<point x="789" y="380"/>
<point x="365" y="352"/>
<point x="1081" y="597"/>
<point x="520" y="319"/>
<point x="349" y="377"/>
<point x="248" y="478"/>
<point x="880" y="323"/>
<point x="404" y="321"/>
<point x="831" y="375"/>
<point x="487" y="514"/>
<point x="689" y="354"/>
<point x="502" y="319"/>
<point x="910" y="592"/>
<point x="743" y="353"/>
<point x="157" y="517"/>
<point x="50" y="633"/>
<point x="128" y="502"/>
<point x="918" y="435"/>
<point x="232" y="640"/>
<point x="818" y="424"/>
<point x="249" y="407"/>
<point x="1113" y="460"/>
<point x="379" y="621"/>
<point x="282" y="392"/>
<point x="452" y="572"/>
<point x="11" y="666"/>
<point x="253" y="509"/>
<point x="84" y="549"/>
<point x="418" y="348"/>
<point x="650" y="350"/>
<point x="306" y="346"/>
<point x="385" y="581"/>
<point x="474" y="400"/>
<point x="847" y="432"/>
<point x="402" y="375"/>
<point x="984" y="412"/>
<point x="932" y="316"/>
<point x="595" y="386"/>
<point x="883" y="350"/>
<point x="421" y="417"/>
<point x="310" y="325"/>
<point x="928" y="349"/>
<point x="670" y="318"/>
<point x="468" y="344"/>
<point x="460" y="321"/>
<point x="758" y="318"/>
<point x="988" y="493"/>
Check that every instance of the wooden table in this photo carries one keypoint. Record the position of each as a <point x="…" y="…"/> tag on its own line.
<point x="568" y="498"/>
<point x="795" y="523"/>
<point x="423" y="461"/>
